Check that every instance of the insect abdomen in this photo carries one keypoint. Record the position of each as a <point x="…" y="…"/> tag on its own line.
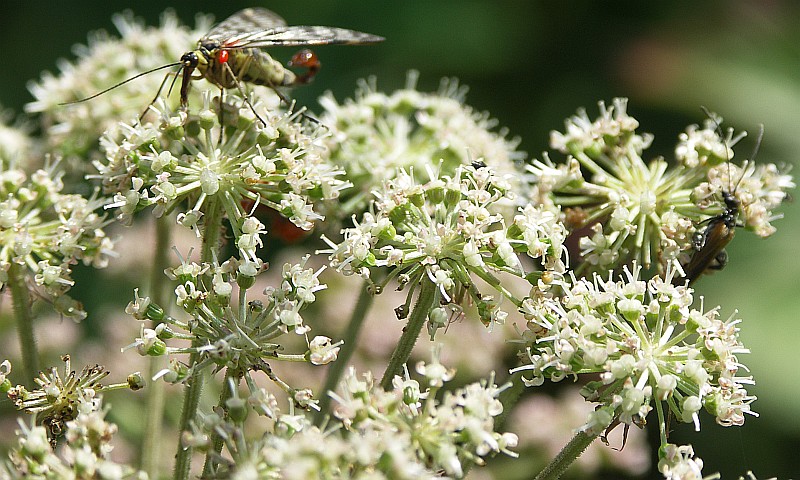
<point x="251" y="65"/>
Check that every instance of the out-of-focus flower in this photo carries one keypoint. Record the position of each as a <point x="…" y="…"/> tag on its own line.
<point x="43" y="232"/>
<point x="375" y="135"/>
<point x="73" y="130"/>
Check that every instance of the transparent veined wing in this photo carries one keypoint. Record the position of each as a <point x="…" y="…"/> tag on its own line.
<point x="243" y="23"/>
<point x="260" y="28"/>
<point x="300" y="35"/>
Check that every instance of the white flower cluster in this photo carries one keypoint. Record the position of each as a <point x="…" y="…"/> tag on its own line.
<point x="240" y="337"/>
<point x="647" y="344"/>
<point x="182" y="163"/>
<point x="85" y="454"/>
<point x="444" y="231"/>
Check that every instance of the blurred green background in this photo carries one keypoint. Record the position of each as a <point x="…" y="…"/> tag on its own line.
<point x="531" y="64"/>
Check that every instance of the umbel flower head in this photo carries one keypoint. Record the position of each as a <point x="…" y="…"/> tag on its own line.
<point x="241" y="336"/>
<point x="104" y="62"/>
<point x="650" y="212"/>
<point x="648" y="345"/>
<point x="374" y="135"/>
<point x="443" y="231"/>
<point x="59" y="400"/>
<point x="188" y="161"/>
<point x="404" y="433"/>
<point x="43" y="232"/>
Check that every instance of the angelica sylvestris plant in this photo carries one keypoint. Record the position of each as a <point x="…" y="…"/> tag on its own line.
<point x="415" y="192"/>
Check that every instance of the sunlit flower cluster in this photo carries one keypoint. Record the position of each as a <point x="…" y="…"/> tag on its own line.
<point x="376" y="134"/>
<point x="44" y="232"/>
<point x="649" y="212"/>
<point x="85" y="454"/>
<point x="186" y="162"/>
<point x="444" y="231"/>
<point x="647" y="344"/>
<point x="238" y="335"/>
<point x="404" y="433"/>
<point x="74" y="130"/>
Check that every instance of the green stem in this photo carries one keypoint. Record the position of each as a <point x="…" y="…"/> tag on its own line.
<point x="151" y="443"/>
<point x="566" y="456"/>
<point x="350" y="337"/>
<point x="194" y="386"/>
<point x="216" y="439"/>
<point x="425" y="302"/>
<point x="21" y="299"/>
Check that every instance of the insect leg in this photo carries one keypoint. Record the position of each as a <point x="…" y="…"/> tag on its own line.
<point x="242" y="91"/>
<point x="158" y="93"/>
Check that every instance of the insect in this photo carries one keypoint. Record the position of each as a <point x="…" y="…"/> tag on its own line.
<point x="709" y="244"/>
<point x="230" y="54"/>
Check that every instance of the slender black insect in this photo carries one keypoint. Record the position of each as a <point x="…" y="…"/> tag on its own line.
<point x="709" y="244"/>
<point x="229" y="55"/>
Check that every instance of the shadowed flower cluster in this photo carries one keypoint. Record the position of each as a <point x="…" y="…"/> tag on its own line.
<point x="239" y="336"/>
<point x="44" y="232"/>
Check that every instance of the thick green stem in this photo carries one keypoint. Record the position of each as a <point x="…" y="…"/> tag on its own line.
<point x="21" y="299"/>
<point x="350" y="338"/>
<point x="194" y="386"/>
<point x="425" y="302"/>
<point x="566" y="456"/>
<point x="151" y="443"/>
<point x="216" y="439"/>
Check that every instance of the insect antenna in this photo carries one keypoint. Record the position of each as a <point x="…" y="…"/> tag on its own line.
<point x="174" y="64"/>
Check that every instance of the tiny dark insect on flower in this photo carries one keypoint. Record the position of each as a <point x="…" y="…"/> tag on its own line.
<point x="710" y="242"/>
<point x="230" y="54"/>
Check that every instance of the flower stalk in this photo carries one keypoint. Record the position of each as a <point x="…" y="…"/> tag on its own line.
<point x="23" y="315"/>
<point x="426" y="300"/>
<point x="350" y="339"/>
